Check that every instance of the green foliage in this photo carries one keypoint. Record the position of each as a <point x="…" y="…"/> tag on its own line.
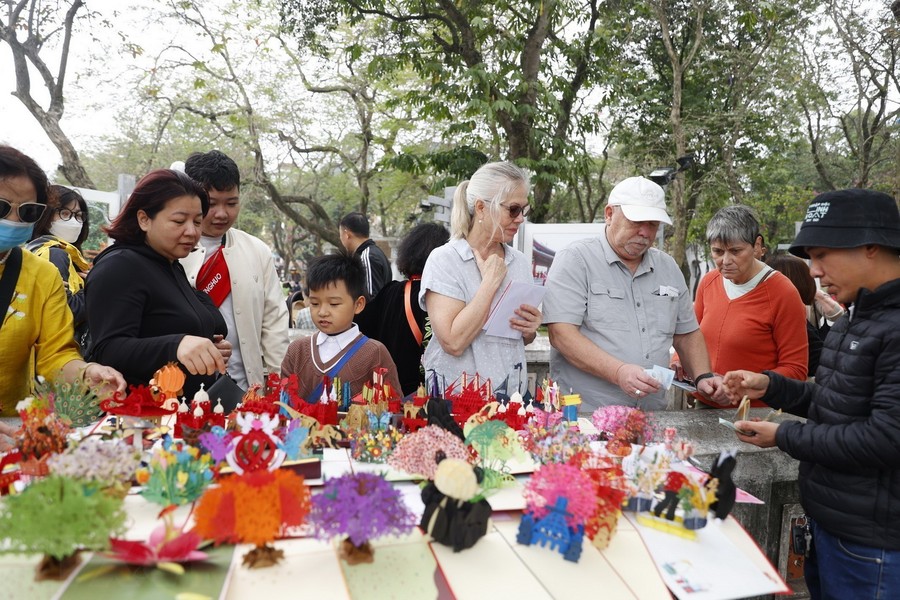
<point x="58" y="516"/>
<point x="509" y="78"/>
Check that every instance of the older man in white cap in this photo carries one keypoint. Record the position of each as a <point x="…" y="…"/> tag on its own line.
<point x="615" y="306"/>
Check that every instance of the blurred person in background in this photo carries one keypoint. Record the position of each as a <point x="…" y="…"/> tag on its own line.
<point x="58" y="237"/>
<point x="394" y="317"/>
<point x="354" y="232"/>
<point x="798" y="272"/>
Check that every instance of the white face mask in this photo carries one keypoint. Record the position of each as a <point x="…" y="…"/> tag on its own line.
<point x="66" y="230"/>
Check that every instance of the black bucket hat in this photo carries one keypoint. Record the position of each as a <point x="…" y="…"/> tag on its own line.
<point x="849" y="219"/>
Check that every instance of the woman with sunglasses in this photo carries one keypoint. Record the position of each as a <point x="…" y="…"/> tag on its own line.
<point x="36" y="332"/>
<point x="57" y="237"/>
<point x="462" y="278"/>
<point x="143" y="312"/>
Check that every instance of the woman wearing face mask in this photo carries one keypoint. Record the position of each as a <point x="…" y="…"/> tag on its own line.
<point x="58" y="237"/>
<point x="35" y="322"/>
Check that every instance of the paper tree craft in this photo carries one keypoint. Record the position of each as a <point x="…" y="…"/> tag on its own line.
<point x="359" y="508"/>
<point x="57" y="517"/>
<point x="260" y="500"/>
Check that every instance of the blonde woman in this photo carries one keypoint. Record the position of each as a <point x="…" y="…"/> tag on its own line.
<point x="462" y="278"/>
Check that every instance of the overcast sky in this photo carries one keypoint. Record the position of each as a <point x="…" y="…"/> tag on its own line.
<point x="87" y="112"/>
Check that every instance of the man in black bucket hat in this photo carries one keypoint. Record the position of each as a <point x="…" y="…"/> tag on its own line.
<point x="849" y="447"/>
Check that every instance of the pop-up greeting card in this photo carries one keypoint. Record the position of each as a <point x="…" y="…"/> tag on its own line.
<point x="559" y="500"/>
<point x="456" y="513"/>
<point x="257" y="502"/>
<point x="107" y="465"/>
<point x="43" y="434"/>
<point x="419" y="453"/>
<point x="167" y="547"/>
<point x="177" y="474"/>
<point x="359" y="508"/>
<point x="494" y="444"/>
<point x="57" y="517"/>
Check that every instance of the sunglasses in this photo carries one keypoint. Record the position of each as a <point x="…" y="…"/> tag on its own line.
<point x="29" y="212"/>
<point x="517" y="209"/>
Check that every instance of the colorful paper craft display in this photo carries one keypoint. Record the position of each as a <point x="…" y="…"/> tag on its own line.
<point x="359" y="508"/>
<point x="259" y="501"/>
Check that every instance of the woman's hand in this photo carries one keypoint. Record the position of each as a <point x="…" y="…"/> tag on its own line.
<point x="827" y="306"/>
<point x="492" y="268"/>
<point x="105" y="381"/>
<point x="527" y="320"/>
<point x="201" y="356"/>
<point x="224" y="347"/>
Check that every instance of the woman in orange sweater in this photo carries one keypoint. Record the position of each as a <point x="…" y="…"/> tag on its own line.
<point x="751" y="316"/>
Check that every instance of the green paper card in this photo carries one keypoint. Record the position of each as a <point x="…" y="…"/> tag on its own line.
<point x="106" y="578"/>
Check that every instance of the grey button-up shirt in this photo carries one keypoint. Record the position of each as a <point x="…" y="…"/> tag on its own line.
<point x="625" y="314"/>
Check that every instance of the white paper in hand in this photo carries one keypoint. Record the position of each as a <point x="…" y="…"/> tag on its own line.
<point x="515" y="294"/>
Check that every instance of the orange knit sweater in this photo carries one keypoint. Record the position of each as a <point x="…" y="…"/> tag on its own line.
<point x="765" y="329"/>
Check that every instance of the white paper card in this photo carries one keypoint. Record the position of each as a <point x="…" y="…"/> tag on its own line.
<point x="514" y="295"/>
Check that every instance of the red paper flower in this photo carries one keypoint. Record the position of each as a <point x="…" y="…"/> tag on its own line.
<point x="166" y="544"/>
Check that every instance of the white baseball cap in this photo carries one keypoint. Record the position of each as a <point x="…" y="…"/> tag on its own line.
<point x="641" y="200"/>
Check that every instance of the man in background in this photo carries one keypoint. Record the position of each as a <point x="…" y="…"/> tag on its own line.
<point x="238" y="272"/>
<point x="354" y="230"/>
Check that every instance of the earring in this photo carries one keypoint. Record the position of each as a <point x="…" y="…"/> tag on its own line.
<point x="481" y="220"/>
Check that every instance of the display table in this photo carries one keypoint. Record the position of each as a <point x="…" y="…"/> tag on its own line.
<point x="639" y="563"/>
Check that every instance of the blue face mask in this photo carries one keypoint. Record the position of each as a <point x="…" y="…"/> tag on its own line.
<point x="13" y="233"/>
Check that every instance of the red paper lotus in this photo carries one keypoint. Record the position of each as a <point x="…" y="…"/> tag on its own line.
<point x="180" y="548"/>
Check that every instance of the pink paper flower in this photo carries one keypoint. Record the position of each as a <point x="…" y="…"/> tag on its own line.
<point x="166" y="544"/>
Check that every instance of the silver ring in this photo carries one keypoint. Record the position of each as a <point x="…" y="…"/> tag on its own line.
<point x="637" y="392"/>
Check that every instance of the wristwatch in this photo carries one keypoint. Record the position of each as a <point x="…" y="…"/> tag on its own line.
<point x="701" y="377"/>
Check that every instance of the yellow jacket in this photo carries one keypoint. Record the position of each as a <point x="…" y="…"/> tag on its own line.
<point x="37" y="336"/>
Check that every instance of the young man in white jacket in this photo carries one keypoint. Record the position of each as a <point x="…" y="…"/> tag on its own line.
<point x="238" y="272"/>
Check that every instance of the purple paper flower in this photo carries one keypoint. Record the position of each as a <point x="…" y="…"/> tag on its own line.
<point x="360" y="506"/>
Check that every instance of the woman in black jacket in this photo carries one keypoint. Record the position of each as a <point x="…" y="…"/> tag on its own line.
<point x="142" y="311"/>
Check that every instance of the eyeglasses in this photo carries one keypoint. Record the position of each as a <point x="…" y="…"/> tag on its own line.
<point x="517" y="209"/>
<point x="66" y="215"/>
<point x="29" y="212"/>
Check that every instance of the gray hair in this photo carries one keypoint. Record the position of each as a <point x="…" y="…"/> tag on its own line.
<point x="735" y="223"/>
<point x="491" y="184"/>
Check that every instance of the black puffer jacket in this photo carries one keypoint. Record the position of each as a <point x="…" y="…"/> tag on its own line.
<point x="850" y="446"/>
